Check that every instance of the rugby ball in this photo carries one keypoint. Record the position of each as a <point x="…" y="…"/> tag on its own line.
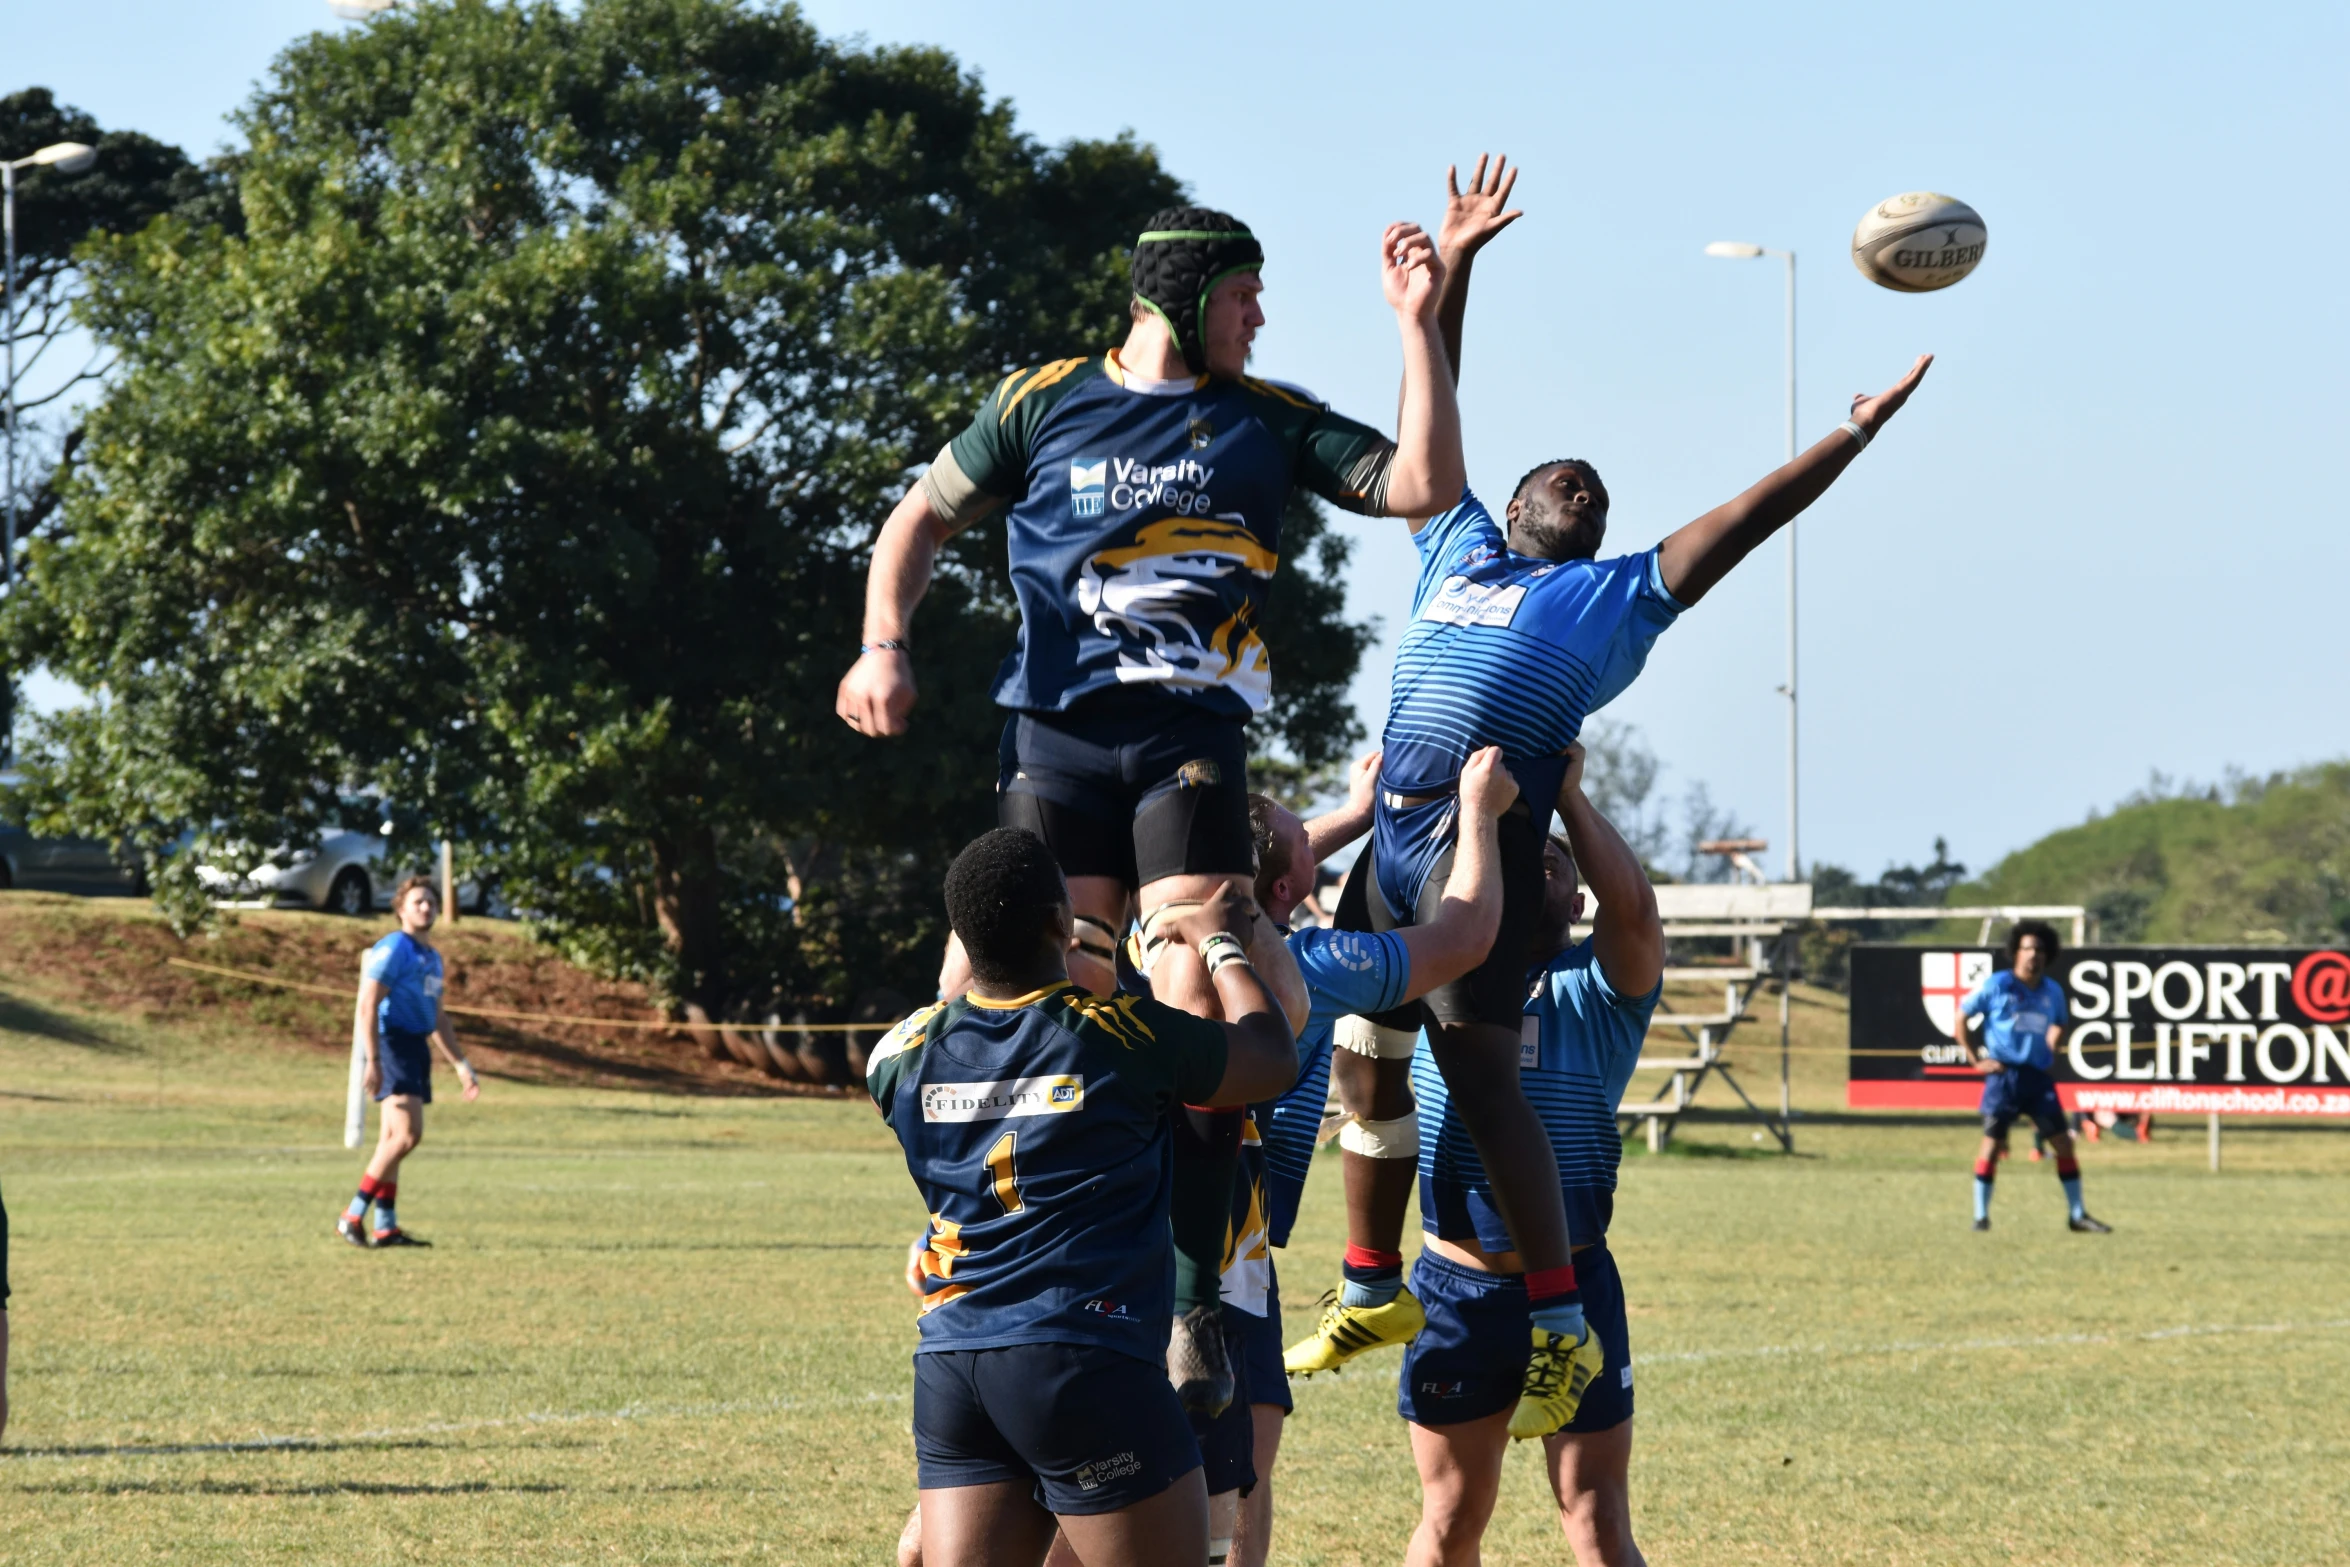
<point x="1918" y="242"/>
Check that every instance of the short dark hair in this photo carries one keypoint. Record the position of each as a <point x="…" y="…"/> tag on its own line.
<point x="410" y="884"/>
<point x="1272" y="853"/>
<point x="1001" y="893"/>
<point x="2050" y="945"/>
<point x="1589" y="473"/>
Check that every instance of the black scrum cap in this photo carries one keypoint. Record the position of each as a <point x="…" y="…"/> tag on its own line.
<point x="1184" y="252"/>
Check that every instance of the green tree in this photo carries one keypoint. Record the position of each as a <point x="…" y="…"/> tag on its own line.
<point x="520" y="458"/>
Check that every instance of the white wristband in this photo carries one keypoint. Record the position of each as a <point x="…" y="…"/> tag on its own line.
<point x="1856" y="432"/>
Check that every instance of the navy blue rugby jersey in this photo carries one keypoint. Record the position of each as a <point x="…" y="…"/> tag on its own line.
<point x="1580" y="1043"/>
<point x="1037" y="1132"/>
<point x="1503" y="649"/>
<point x="1145" y="523"/>
<point x="1346" y="971"/>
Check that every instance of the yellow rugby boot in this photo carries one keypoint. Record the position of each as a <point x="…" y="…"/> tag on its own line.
<point x="1561" y="1368"/>
<point x="1346" y="1331"/>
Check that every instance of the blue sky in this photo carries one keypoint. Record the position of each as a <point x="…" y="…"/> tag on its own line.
<point x="2107" y="536"/>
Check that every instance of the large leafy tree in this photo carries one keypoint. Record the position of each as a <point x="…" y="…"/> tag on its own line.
<point x="521" y="454"/>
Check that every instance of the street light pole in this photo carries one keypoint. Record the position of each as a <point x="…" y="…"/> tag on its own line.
<point x="69" y="157"/>
<point x="1738" y="251"/>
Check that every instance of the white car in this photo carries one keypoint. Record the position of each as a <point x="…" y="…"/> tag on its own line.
<point x="345" y="872"/>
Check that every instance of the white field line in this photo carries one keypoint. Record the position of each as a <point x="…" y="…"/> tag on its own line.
<point x="1970" y="1345"/>
<point x="777" y="1405"/>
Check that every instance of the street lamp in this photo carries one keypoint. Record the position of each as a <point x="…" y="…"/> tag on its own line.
<point x="67" y="157"/>
<point x="1734" y="250"/>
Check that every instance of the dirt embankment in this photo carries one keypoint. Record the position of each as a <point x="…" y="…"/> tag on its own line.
<point x="111" y="957"/>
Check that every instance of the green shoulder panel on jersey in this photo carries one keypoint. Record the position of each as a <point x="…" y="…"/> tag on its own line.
<point x="1181" y="1053"/>
<point x="900" y="1051"/>
<point x="993" y="449"/>
<point x="1344" y="462"/>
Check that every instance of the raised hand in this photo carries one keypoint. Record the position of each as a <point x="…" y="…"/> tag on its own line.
<point x="1226" y="909"/>
<point x="1411" y="273"/>
<point x="1486" y="785"/>
<point x="1472" y="218"/>
<point x="1870" y="413"/>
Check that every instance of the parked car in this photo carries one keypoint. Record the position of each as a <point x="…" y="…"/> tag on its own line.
<point x="80" y="865"/>
<point x="345" y="872"/>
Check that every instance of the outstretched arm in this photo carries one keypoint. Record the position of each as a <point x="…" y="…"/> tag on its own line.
<point x="1471" y="220"/>
<point x="1333" y="830"/>
<point x="878" y="691"/>
<point x="1469" y="917"/>
<point x="1702" y="553"/>
<point x="1428" y="473"/>
<point x="1260" y="1058"/>
<point x="1627" y="937"/>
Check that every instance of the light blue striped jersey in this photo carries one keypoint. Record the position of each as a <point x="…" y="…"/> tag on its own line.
<point x="1503" y="649"/>
<point x="1581" y="1042"/>
<point x="1346" y="971"/>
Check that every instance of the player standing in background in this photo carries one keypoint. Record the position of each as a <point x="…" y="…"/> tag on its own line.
<point x="1516" y="636"/>
<point x="1143" y="491"/>
<point x="1034" y="1121"/>
<point x="399" y="1023"/>
<point x="1587" y="1012"/>
<point x="2023" y="1012"/>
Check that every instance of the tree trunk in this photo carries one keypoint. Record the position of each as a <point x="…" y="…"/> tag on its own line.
<point x="685" y="903"/>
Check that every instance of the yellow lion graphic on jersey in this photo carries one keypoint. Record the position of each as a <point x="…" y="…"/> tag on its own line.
<point x="1159" y="596"/>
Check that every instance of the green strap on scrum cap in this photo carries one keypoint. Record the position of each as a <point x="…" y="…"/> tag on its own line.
<point x="1180" y="258"/>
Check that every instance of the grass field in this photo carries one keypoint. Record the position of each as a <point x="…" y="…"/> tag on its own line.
<point x="664" y="1328"/>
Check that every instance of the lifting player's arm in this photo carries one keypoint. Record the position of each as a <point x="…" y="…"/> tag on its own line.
<point x="1334" y="829"/>
<point x="1469" y="916"/>
<point x="1627" y="937"/>
<point x="1260" y="1052"/>
<point x="1427" y="472"/>
<point x="1696" y="557"/>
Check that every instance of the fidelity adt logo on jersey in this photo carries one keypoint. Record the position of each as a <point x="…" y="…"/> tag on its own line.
<point x="1003" y="1101"/>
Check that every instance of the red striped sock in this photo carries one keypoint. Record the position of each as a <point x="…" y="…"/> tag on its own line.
<point x="1551" y="1286"/>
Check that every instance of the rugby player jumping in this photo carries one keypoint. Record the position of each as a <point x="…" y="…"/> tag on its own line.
<point x="1517" y="634"/>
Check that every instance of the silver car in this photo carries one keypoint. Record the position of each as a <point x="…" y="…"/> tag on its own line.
<point x="82" y="865"/>
<point x="345" y="872"/>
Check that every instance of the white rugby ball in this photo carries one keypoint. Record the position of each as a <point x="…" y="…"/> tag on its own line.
<point x="1918" y="242"/>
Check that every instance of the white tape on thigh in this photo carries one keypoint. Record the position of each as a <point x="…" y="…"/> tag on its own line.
<point x="1396" y="1139"/>
<point x="1366" y="1038"/>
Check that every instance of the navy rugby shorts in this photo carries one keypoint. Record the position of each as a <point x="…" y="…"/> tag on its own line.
<point x="405" y="1060"/>
<point x="2022" y="1093"/>
<point x="1091" y="1429"/>
<point x="1257" y="1358"/>
<point x="1469" y="1362"/>
<point x="1495" y="990"/>
<point x="1137" y="789"/>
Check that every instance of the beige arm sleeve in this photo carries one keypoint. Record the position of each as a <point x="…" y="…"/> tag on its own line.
<point x="958" y="502"/>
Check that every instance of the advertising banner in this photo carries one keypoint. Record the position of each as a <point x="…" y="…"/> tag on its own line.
<point x="2171" y="1030"/>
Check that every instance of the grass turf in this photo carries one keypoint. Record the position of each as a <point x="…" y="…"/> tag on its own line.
<point x="669" y="1329"/>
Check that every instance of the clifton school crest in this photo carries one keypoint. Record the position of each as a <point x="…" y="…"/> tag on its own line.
<point x="1947" y="978"/>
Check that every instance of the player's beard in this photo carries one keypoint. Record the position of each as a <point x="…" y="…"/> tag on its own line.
<point x="1557" y="535"/>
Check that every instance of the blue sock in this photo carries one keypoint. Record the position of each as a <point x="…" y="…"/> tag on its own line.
<point x="1982" y="1197"/>
<point x="1565" y="1318"/>
<point x="2072" y="1196"/>
<point x="358" y="1208"/>
<point x="1373" y="1277"/>
<point x="385" y="1219"/>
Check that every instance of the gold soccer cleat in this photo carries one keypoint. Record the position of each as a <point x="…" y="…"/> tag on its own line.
<point x="1555" y="1379"/>
<point x="1346" y="1331"/>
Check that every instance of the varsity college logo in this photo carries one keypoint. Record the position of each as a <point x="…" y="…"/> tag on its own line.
<point x="1088" y="483"/>
<point x="1003" y="1101"/>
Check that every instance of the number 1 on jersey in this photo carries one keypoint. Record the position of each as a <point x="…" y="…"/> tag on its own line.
<point x="1007" y="1180"/>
